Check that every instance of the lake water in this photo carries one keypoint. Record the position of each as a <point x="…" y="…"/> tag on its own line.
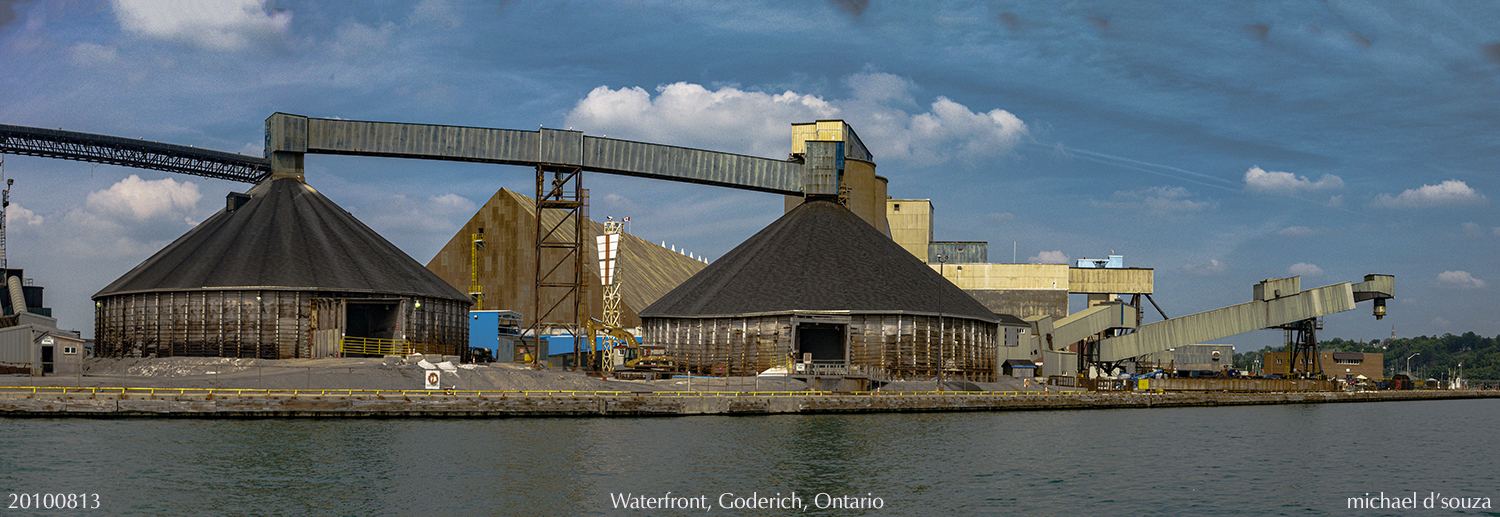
<point x="1261" y="460"/>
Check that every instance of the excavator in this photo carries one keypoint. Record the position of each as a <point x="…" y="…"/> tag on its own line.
<point x="624" y="356"/>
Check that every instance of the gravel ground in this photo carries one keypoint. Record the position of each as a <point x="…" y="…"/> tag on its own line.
<point x="407" y="373"/>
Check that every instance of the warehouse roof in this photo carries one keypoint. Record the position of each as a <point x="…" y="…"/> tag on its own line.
<point x="283" y="235"/>
<point x="818" y="257"/>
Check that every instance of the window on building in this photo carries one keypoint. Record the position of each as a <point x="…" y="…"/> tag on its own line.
<point x="896" y="207"/>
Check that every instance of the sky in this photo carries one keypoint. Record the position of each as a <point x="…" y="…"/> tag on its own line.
<point x="1219" y="143"/>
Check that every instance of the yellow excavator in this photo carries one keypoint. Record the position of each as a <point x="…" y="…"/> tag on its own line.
<point x="622" y="353"/>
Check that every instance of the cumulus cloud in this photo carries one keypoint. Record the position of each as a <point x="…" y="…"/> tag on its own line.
<point x="1049" y="257"/>
<point x="18" y="215"/>
<point x="1447" y="193"/>
<point x="1286" y="183"/>
<point x="690" y="115"/>
<point x="219" y="25"/>
<point x="1211" y="268"/>
<point x="1472" y="229"/>
<point x="1460" y="279"/>
<point x="130" y="219"/>
<point x="1161" y="202"/>
<point x="1305" y="269"/>
<point x="1298" y="231"/>
<point x="137" y="200"/>
<point x="882" y="110"/>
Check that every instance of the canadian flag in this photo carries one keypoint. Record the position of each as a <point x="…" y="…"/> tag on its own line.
<point x="627" y="218"/>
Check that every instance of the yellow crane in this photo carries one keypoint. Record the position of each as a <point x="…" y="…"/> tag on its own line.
<point x="476" y="243"/>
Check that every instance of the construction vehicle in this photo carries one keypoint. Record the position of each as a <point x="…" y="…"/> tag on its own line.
<point x="624" y="356"/>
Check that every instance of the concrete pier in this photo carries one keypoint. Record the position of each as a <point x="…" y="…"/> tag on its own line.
<point x="244" y="403"/>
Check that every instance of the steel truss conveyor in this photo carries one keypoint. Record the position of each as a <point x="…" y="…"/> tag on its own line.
<point x="1106" y="331"/>
<point x="130" y="152"/>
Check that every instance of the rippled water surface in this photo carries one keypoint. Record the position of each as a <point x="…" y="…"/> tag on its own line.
<point x="1265" y="460"/>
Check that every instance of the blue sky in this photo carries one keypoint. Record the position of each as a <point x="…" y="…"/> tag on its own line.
<point x="1220" y="143"/>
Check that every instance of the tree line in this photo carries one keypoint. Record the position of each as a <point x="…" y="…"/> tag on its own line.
<point x="1431" y="356"/>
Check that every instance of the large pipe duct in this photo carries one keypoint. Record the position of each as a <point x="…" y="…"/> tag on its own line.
<point x="17" y="296"/>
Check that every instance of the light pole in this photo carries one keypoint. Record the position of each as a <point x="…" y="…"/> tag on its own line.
<point x="1408" y="362"/>
<point x="941" y="260"/>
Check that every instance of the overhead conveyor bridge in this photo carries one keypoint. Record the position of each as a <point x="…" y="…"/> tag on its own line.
<point x="289" y="137"/>
<point x="1277" y="303"/>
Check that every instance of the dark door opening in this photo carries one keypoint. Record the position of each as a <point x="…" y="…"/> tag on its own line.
<point x="46" y="360"/>
<point x="825" y="341"/>
<point x="372" y="319"/>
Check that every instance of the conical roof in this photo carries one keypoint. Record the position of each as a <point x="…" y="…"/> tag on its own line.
<point x="285" y="236"/>
<point x="818" y="257"/>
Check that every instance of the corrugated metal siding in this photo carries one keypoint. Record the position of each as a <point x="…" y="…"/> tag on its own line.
<point x="533" y="147"/>
<point x="1228" y="321"/>
<point x="17" y="347"/>
<point x="1092" y="320"/>
<point x="955" y="252"/>
<point x="691" y="165"/>
<point x="433" y="142"/>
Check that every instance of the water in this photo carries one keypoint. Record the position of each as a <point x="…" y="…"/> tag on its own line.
<point x="1264" y="460"/>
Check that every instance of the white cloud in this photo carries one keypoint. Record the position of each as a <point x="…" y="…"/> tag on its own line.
<point x="1447" y="193"/>
<point x="1336" y="201"/>
<point x="87" y="55"/>
<point x="1298" y="231"/>
<point x="1441" y="322"/>
<point x="1305" y="269"/>
<point x="1049" y="257"/>
<point x="1471" y="229"/>
<point x="136" y="200"/>
<point x="1157" y="202"/>
<point x="690" y="115"/>
<point x="1211" y="268"/>
<point x="17" y="215"/>
<point x="216" y="25"/>
<point x="1286" y="183"/>
<point x="1460" y="279"/>
<point x="436" y="215"/>
<point x="128" y="221"/>
<point x="759" y="123"/>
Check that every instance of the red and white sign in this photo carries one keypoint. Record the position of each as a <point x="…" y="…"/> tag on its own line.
<point x="434" y="378"/>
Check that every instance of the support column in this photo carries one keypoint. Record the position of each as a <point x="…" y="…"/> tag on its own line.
<point x="560" y="275"/>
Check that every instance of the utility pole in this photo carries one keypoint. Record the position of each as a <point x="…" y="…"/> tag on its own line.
<point x="4" y="206"/>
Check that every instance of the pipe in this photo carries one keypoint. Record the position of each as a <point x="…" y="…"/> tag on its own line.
<point x="17" y="297"/>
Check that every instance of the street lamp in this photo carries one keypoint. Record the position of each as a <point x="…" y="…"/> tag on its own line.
<point x="1408" y="362"/>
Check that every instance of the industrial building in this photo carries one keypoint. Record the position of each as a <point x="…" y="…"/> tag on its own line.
<point x="849" y="279"/>
<point x="30" y="342"/>
<point x="822" y="287"/>
<point x="507" y="270"/>
<point x="280" y="272"/>
<point x="1332" y="363"/>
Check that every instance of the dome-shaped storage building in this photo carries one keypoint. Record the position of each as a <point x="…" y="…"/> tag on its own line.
<point x="281" y="272"/>
<point x="820" y="282"/>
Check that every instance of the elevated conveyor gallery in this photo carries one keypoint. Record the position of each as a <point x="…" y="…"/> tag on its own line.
<point x="1277" y="302"/>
